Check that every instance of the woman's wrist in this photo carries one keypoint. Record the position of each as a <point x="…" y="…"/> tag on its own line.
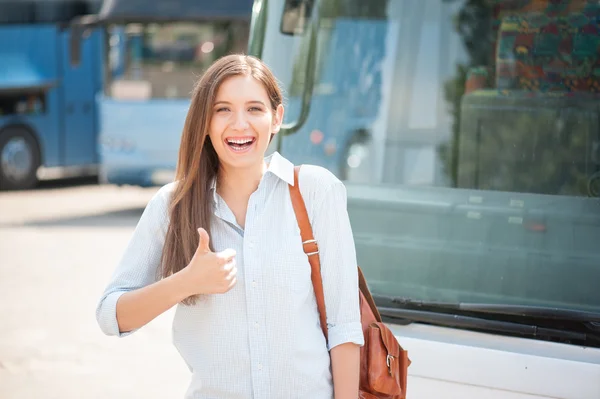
<point x="181" y="285"/>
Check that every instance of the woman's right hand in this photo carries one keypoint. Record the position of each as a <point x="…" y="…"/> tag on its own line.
<point x="210" y="272"/>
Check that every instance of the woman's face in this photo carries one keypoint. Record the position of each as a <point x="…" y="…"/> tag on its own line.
<point x="242" y="122"/>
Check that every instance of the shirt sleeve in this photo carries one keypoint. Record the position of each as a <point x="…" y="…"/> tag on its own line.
<point x="339" y="270"/>
<point x="139" y="263"/>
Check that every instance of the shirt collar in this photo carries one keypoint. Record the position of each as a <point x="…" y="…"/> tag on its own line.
<point x="281" y="167"/>
<point x="278" y="165"/>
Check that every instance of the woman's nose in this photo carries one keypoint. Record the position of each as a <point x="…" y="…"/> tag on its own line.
<point x="240" y="121"/>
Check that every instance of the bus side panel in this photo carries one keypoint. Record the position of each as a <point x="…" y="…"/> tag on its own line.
<point x="80" y="85"/>
<point x="29" y="56"/>
<point x="140" y="140"/>
<point x="456" y="364"/>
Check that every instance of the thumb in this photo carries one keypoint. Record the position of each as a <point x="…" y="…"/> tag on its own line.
<point x="203" y="244"/>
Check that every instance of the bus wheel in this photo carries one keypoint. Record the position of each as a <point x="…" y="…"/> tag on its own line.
<point x="19" y="159"/>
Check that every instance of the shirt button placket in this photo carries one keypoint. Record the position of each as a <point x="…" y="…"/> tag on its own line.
<point x="254" y="309"/>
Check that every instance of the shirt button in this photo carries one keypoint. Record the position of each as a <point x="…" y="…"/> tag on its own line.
<point x="256" y="325"/>
<point x="254" y="284"/>
<point x="260" y="366"/>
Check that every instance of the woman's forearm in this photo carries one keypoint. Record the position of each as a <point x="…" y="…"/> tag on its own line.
<point x="137" y="308"/>
<point x="345" y="366"/>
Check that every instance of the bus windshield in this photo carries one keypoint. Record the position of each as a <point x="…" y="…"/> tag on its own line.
<point x="162" y="60"/>
<point x="467" y="134"/>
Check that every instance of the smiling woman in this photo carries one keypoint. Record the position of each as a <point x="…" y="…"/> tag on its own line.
<point x="223" y="244"/>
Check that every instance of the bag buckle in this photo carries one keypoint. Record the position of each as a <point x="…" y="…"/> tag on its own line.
<point x="311" y="242"/>
<point x="388" y="361"/>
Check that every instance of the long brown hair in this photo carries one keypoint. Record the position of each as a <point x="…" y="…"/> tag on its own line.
<point x="191" y="203"/>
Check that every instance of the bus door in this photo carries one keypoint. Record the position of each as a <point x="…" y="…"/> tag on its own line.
<point x="81" y="83"/>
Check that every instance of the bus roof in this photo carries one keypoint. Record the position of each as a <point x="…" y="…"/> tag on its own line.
<point x="122" y="11"/>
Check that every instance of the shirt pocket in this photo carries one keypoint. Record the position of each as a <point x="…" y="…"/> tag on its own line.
<point x="289" y="267"/>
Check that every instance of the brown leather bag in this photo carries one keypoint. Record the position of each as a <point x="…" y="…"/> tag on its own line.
<point x="383" y="362"/>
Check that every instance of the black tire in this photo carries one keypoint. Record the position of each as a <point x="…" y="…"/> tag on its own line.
<point x="17" y="143"/>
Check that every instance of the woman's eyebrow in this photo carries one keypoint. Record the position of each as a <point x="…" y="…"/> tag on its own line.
<point x="247" y="102"/>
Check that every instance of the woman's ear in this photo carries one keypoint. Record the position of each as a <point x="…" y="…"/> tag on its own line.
<point x="278" y="118"/>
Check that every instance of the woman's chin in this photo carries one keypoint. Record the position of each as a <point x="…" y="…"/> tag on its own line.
<point x="238" y="160"/>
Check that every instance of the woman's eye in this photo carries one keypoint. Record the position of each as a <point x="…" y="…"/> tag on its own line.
<point x="222" y="109"/>
<point x="253" y="109"/>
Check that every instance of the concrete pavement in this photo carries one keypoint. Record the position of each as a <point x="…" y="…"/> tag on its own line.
<point x="58" y="247"/>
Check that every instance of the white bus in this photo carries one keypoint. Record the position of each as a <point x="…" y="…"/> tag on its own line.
<point x="467" y="133"/>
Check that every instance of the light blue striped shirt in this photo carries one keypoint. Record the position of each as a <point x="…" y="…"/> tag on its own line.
<point x="262" y="339"/>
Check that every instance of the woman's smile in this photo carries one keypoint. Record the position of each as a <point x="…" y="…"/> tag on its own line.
<point x="240" y="144"/>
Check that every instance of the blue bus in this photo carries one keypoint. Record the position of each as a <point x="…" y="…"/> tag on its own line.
<point x="154" y="52"/>
<point x="48" y="116"/>
<point x="467" y="135"/>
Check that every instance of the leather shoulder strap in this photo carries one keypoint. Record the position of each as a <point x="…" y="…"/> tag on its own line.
<point x="311" y="247"/>
<point x="366" y="294"/>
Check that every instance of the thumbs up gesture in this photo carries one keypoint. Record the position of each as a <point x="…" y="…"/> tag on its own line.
<point x="210" y="272"/>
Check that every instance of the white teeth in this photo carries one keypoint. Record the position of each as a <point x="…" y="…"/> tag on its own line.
<point x="240" y="142"/>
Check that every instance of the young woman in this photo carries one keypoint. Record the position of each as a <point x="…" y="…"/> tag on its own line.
<point x="223" y="244"/>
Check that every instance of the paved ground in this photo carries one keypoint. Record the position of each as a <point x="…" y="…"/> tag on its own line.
<point x="58" y="246"/>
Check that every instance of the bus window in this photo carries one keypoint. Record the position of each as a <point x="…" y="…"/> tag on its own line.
<point x="163" y="60"/>
<point x="22" y="103"/>
<point x="467" y="134"/>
